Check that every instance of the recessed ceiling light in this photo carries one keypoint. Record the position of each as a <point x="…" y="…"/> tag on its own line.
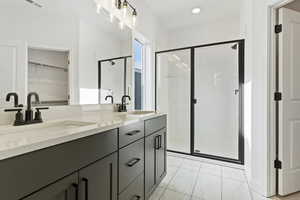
<point x="196" y="11"/>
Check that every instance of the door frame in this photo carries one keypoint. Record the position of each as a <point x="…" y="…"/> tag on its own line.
<point x="273" y="173"/>
<point x="241" y="64"/>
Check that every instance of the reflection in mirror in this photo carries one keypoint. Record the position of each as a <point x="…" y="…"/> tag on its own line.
<point x="54" y="48"/>
<point x="114" y="78"/>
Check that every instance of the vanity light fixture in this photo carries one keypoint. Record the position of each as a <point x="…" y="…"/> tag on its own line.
<point x="196" y="11"/>
<point x="99" y="6"/>
<point x="120" y="9"/>
<point x="125" y="6"/>
<point x="134" y="16"/>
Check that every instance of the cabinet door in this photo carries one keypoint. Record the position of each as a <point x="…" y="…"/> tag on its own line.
<point x="65" y="189"/>
<point x="149" y="164"/>
<point x="99" y="180"/>
<point x="160" y="155"/>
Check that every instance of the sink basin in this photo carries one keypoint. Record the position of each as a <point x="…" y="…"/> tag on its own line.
<point x="140" y="112"/>
<point x="57" y="126"/>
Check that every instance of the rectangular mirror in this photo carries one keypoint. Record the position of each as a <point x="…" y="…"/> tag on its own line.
<point x="66" y="52"/>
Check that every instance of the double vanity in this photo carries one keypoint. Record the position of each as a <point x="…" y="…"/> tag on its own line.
<point x="80" y="160"/>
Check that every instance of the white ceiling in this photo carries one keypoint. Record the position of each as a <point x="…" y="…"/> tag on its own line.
<point x="295" y="5"/>
<point x="175" y="14"/>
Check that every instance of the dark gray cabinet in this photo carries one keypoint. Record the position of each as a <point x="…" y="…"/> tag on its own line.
<point x="135" y="190"/>
<point x="155" y="160"/>
<point x="160" y="152"/>
<point x="64" y="189"/>
<point x="119" y="164"/>
<point x="131" y="163"/>
<point x="99" y="180"/>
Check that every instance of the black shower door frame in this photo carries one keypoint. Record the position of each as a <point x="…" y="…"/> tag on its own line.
<point x="241" y="66"/>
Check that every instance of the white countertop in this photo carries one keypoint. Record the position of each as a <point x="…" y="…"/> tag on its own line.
<point x="19" y="140"/>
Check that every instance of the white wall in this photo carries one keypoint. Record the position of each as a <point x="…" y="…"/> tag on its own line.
<point x="41" y="29"/>
<point x="210" y="32"/>
<point x="256" y="18"/>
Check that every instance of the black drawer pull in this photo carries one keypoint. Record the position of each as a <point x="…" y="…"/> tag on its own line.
<point x="132" y="133"/>
<point x="86" y="188"/>
<point x="156" y="142"/>
<point x="75" y="185"/>
<point x="133" y="162"/>
<point x="136" y="197"/>
<point x="160" y="138"/>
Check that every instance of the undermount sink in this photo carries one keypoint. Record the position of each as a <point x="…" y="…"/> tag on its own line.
<point x="141" y="112"/>
<point x="49" y="127"/>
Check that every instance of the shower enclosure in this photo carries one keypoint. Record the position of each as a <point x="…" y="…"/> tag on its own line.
<point x="201" y="89"/>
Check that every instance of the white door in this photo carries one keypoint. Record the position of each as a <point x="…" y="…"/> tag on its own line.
<point x="13" y="70"/>
<point x="289" y="109"/>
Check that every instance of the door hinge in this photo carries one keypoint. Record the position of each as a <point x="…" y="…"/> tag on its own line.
<point x="277" y="96"/>
<point x="277" y="164"/>
<point x="194" y="101"/>
<point x="278" y="28"/>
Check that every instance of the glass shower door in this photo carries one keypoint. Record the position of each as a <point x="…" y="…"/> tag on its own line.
<point x="217" y="96"/>
<point x="174" y="96"/>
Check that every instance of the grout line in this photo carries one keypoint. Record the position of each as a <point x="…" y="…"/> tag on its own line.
<point x="167" y="184"/>
<point x="196" y="182"/>
<point x="222" y="183"/>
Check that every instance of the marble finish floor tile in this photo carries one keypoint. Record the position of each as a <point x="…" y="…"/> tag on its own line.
<point x="208" y="187"/>
<point x="184" y="181"/>
<point x="174" y="195"/>
<point x="211" y="169"/>
<point x="235" y="190"/>
<point x="235" y="174"/>
<point x="189" y="179"/>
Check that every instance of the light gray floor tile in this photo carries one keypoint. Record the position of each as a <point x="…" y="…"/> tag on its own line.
<point x="208" y="187"/>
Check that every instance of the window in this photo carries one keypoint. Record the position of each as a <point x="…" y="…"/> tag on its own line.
<point x="138" y="75"/>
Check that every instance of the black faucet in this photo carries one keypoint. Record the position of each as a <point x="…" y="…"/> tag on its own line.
<point x="111" y="97"/>
<point x="16" y="99"/>
<point x="122" y="107"/>
<point x="28" y="113"/>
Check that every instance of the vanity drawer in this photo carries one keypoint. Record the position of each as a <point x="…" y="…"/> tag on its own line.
<point x="135" y="190"/>
<point x="131" y="163"/>
<point x="131" y="133"/>
<point x="30" y="172"/>
<point x="156" y="124"/>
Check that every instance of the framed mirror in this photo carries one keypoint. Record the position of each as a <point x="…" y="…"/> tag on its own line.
<point x="54" y="48"/>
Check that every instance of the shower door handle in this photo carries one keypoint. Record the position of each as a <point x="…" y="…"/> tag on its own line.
<point x="236" y="92"/>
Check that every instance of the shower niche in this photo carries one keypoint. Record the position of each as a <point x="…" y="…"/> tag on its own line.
<point x="48" y="75"/>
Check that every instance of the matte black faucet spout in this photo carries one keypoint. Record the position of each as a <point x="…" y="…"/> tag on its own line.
<point x="16" y="99"/>
<point x="122" y="107"/>
<point x="111" y="97"/>
<point x="29" y="112"/>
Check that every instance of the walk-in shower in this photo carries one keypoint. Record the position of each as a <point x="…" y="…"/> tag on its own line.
<point x="201" y="89"/>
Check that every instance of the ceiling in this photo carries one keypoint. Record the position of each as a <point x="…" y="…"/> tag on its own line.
<point x="175" y="14"/>
<point x="295" y="5"/>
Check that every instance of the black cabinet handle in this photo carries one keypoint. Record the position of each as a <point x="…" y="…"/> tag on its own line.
<point x="136" y="197"/>
<point x="156" y="142"/>
<point x="132" y="133"/>
<point x="133" y="162"/>
<point x="75" y="186"/>
<point x="86" y="188"/>
<point x="159" y="142"/>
